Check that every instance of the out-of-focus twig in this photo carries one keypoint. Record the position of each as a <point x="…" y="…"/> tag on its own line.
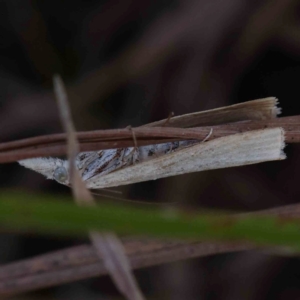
<point x="107" y="245"/>
<point x="82" y="261"/>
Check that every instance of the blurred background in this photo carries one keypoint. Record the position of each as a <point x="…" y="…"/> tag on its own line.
<point x="131" y="62"/>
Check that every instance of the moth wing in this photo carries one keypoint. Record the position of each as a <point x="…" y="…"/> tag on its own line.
<point x="106" y="161"/>
<point x="230" y="151"/>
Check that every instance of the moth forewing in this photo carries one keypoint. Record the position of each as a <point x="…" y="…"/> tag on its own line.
<point x="235" y="150"/>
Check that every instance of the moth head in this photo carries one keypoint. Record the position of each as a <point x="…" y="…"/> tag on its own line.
<point x="52" y="168"/>
<point x="61" y="175"/>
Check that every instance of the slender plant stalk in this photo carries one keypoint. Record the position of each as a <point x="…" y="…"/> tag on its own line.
<point x="55" y="144"/>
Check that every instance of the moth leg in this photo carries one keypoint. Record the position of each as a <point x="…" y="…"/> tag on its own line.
<point x="171" y="148"/>
<point x="208" y="136"/>
<point x="134" y="155"/>
<point x="129" y="156"/>
<point x="171" y="115"/>
<point x="133" y="136"/>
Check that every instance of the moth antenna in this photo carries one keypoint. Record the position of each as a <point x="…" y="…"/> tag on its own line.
<point x="132" y="201"/>
<point x="104" y="195"/>
<point x="113" y="191"/>
<point x="171" y="115"/>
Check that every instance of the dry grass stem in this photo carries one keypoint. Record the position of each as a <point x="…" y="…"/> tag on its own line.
<point x="54" y="145"/>
<point x="107" y="245"/>
<point x="83" y="262"/>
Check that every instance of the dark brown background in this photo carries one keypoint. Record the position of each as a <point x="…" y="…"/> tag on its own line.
<point x="131" y="62"/>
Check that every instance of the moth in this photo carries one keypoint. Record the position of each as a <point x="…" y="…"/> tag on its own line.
<point x="114" y="167"/>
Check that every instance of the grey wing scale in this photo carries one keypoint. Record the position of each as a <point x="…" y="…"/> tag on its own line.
<point x="147" y="152"/>
<point x="103" y="162"/>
